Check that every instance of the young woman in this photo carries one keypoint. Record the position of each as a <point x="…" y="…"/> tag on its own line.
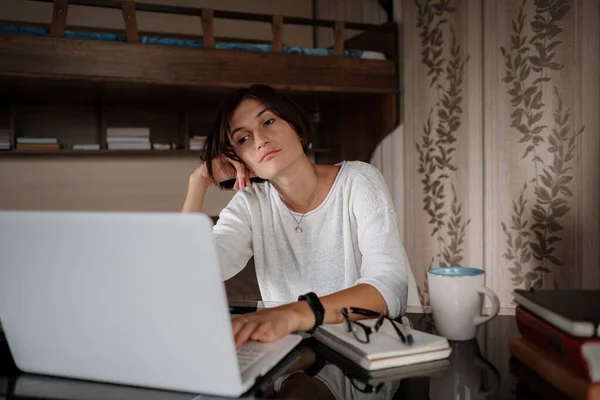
<point x="327" y="233"/>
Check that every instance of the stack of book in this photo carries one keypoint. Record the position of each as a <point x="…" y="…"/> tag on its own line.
<point x="162" y="146"/>
<point x="197" y="142"/>
<point x="560" y="339"/>
<point x="128" y="138"/>
<point x="32" y="143"/>
<point x="384" y="350"/>
<point x="4" y="139"/>
<point x="88" y="146"/>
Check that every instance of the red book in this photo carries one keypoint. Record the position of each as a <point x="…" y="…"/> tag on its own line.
<point x="560" y="345"/>
<point x="553" y="371"/>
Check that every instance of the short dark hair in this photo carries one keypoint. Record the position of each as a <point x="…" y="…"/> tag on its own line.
<point x="218" y="142"/>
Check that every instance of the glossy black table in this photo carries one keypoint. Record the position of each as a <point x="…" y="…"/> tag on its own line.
<point x="477" y="369"/>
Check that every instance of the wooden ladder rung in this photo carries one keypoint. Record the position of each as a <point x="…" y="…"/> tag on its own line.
<point x="277" y="30"/>
<point x="131" y="30"/>
<point x="338" y="37"/>
<point x="208" y="34"/>
<point x="59" y="18"/>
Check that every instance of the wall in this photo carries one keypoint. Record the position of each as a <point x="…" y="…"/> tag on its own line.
<point x="128" y="183"/>
<point x="106" y="184"/>
<point x="502" y="141"/>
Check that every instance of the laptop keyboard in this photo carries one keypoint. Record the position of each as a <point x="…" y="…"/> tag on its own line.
<point x="248" y="354"/>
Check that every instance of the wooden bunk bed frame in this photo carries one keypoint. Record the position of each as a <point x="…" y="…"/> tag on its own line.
<point x="357" y="99"/>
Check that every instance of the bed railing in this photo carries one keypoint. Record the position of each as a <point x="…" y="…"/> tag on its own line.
<point x="207" y="16"/>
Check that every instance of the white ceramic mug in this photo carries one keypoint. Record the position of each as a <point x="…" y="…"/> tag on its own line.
<point x="456" y="298"/>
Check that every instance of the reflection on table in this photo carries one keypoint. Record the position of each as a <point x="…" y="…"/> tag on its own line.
<point x="477" y="369"/>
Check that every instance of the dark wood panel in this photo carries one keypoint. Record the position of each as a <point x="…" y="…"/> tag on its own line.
<point x="77" y="91"/>
<point x="71" y="125"/>
<point x="201" y="119"/>
<point x="244" y="285"/>
<point x="357" y="127"/>
<point x="130" y="62"/>
<point x="4" y="112"/>
<point x="381" y="42"/>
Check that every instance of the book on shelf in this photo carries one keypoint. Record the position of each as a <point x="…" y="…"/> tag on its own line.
<point x="37" y="140"/>
<point x="581" y="355"/>
<point x="129" y="132"/>
<point x="162" y="146"/>
<point x="123" y="139"/>
<point x="553" y="371"/>
<point x="575" y="312"/>
<point x="91" y="146"/>
<point x="197" y="142"/>
<point x="384" y="350"/>
<point x="38" y="146"/>
<point x="4" y="146"/>
<point x="4" y="138"/>
<point x="129" y="146"/>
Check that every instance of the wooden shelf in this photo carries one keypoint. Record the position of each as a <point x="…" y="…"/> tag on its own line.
<point x="99" y="153"/>
<point x="115" y="153"/>
<point x="59" y="58"/>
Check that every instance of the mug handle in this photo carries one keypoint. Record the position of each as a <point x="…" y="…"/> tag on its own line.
<point x="480" y="319"/>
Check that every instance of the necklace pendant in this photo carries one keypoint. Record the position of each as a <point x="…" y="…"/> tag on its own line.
<point x="298" y="229"/>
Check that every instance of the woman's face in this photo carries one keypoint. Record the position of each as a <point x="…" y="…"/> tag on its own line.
<point x="266" y="143"/>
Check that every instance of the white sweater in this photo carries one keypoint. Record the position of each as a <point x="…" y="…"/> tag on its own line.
<point x="350" y="238"/>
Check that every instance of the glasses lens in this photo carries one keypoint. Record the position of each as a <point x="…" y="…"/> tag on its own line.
<point x="364" y="387"/>
<point x="359" y="333"/>
<point x="359" y="385"/>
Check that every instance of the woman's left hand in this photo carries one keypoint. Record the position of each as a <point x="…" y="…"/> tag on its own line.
<point x="271" y="324"/>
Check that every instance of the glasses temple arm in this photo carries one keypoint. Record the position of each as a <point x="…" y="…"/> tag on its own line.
<point x="398" y="331"/>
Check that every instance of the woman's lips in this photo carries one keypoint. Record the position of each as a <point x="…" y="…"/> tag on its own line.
<point x="268" y="155"/>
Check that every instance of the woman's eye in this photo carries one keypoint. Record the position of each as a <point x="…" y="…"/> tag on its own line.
<point x="242" y="139"/>
<point x="269" y="121"/>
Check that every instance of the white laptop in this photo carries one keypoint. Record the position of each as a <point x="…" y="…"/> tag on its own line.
<point x="128" y="298"/>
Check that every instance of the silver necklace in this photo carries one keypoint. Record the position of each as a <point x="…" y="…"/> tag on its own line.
<point x="298" y="229"/>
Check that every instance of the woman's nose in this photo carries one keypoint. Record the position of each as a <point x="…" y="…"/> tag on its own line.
<point x="261" y="139"/>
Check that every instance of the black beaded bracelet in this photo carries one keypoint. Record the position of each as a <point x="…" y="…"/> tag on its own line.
<point x="317" y="308"/>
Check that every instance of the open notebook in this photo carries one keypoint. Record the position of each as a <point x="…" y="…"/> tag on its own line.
<point x="385" y="350"/>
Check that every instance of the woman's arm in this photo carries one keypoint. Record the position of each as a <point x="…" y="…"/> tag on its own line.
<point x="362" y="296"/>
<point x="231" y="234"/>
<point x="274" y="323"/>
<point x="223" y="169"/>
<point x="196" y="190"/>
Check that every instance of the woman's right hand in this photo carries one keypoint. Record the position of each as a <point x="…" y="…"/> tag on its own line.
<point x="225" y="169"/>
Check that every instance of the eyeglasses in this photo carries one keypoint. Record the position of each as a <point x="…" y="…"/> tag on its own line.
<point x="364" y="387"/>
<point x="363" y="332"/>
